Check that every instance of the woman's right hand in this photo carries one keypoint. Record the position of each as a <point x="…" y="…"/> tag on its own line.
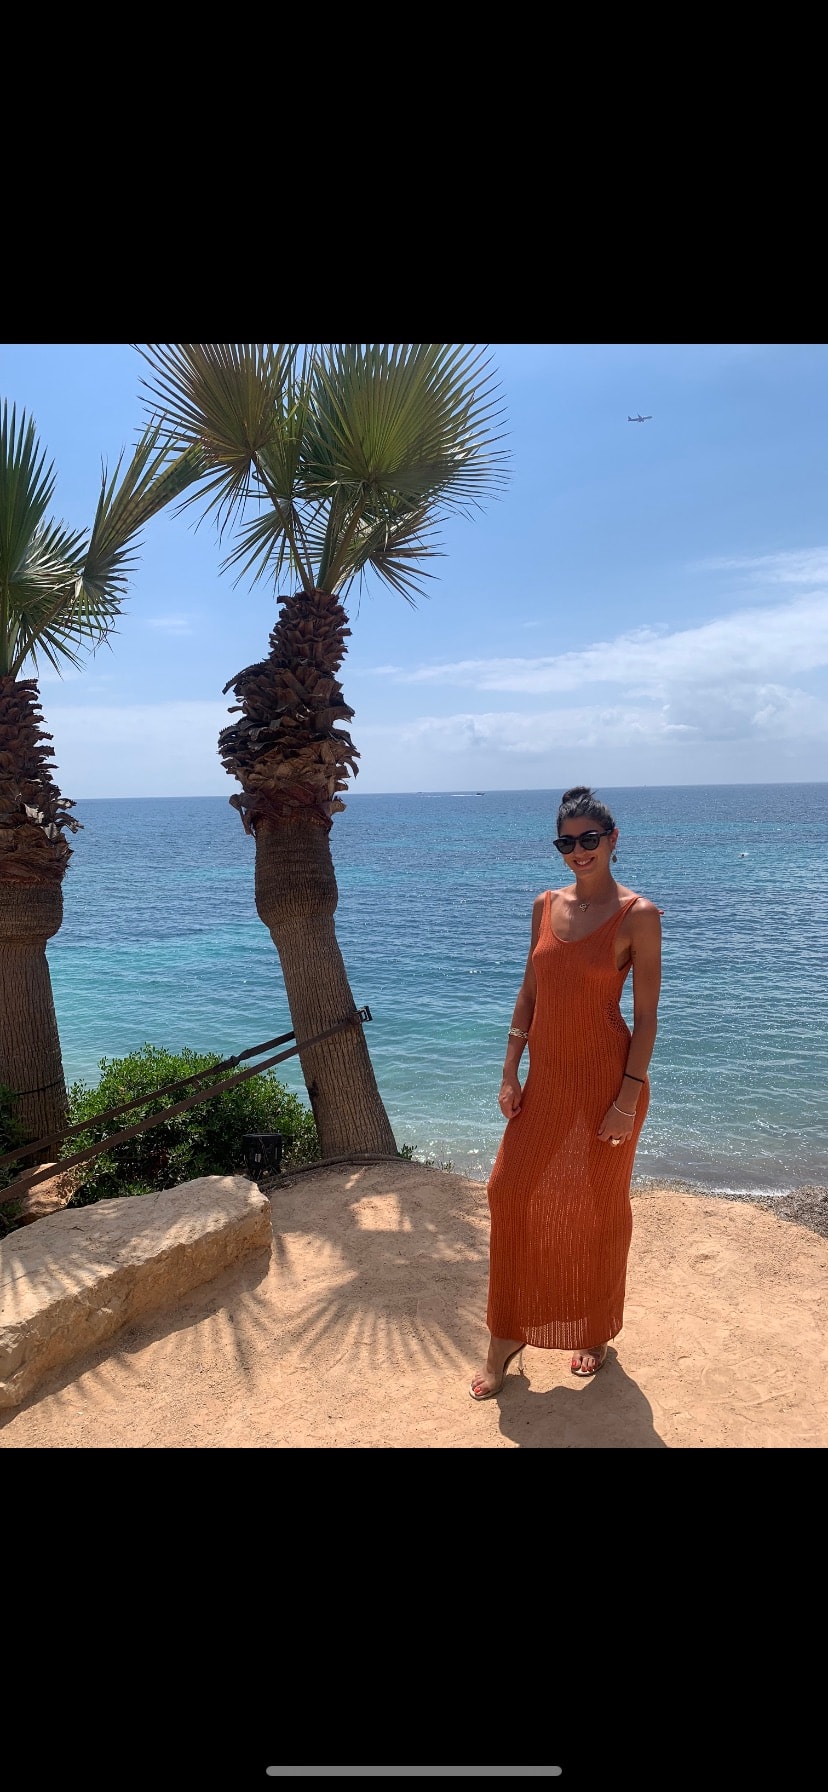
<point x="509" y="1098"/>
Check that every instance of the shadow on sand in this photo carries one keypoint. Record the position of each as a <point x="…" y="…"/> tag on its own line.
<point x="234" y="1300"/>
<point x="607" y="1412"/>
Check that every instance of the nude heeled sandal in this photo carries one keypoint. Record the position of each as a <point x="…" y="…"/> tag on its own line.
<point x="492" y="1391"/>
<point x="599" y="1351"/>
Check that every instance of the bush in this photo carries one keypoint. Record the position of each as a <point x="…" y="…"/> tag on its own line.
<point x="206" y="1140"/>
<point x="428" y="1163"/>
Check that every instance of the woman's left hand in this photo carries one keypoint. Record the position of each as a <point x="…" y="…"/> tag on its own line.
<point x="616" y="1125"/>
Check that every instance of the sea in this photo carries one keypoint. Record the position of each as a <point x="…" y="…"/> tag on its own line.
<point x="161" y="944"/>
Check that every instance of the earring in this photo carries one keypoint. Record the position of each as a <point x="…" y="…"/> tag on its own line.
<point x="615" y="858"/>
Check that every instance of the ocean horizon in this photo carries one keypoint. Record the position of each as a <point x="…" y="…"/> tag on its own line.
<point x="161" y="944"/>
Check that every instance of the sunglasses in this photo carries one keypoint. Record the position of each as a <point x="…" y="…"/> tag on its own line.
<point x="589" y="841"/>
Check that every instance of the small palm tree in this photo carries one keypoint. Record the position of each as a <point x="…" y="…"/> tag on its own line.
<point x="326" y="463"/>
<point x="60" y="591"/>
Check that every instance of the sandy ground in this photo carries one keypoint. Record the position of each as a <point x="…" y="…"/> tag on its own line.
<point x="363" y="1328"/>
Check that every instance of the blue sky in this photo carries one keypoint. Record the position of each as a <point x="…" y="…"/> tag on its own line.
<point x="644" y="603"/>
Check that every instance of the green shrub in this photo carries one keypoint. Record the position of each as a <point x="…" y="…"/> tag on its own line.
<point x="206" y="1140"/>
<point x="428" y="1163"/>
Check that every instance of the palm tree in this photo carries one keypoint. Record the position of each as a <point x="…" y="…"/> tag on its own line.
<point x="60" y="590"/>
<point x="326" y="463"/>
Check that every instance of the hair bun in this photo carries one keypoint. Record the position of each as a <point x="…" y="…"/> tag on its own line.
<point x="581" y="801"/>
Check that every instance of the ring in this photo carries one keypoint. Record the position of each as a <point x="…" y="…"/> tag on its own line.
<point x="615" y="1141"/>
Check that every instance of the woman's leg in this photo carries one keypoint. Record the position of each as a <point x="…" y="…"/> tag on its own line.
<point x="489" y="1380"/>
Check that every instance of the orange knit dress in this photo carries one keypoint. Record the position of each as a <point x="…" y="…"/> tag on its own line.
<point x="559" y="1197"/>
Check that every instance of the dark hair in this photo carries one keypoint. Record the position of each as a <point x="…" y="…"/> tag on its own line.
<point x="580" y="800"/>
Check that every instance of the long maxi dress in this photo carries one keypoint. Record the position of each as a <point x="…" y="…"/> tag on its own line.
<point x="559" y="1197"/>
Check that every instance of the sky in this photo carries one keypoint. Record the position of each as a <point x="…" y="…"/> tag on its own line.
<point x="643" y="603"/>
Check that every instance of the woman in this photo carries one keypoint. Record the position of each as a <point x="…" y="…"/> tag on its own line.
<point x="559" y="1191"/>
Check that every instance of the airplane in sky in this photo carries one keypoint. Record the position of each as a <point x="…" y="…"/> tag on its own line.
<point x="639" y="419"/>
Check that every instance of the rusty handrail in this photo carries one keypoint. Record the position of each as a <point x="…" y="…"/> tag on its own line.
<point x="29" y="1178"/>
<point x="138" y="1101"/>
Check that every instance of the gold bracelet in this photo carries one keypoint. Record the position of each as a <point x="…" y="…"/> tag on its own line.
<point x="517" y="1033"/>
<point x="624" y="1111"/>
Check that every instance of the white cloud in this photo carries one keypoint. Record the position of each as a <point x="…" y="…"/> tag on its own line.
<point x="749" y="645"/>
<point x="769" y="712"/>
<point x="808" y="566"/>
<point x="142" y="749"/>
<point x="612" y="747"/>
<point x="171" y="625"/>
<point x="740" y="697"/>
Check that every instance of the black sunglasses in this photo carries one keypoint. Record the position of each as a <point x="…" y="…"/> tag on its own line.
<point x="589" y="841"/>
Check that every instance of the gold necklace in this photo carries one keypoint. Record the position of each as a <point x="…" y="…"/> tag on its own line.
<point x="583" y="906"/>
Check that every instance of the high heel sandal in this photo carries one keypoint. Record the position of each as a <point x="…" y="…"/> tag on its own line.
<point x="600" y="1354"/>
<point x="492" y="1391"/>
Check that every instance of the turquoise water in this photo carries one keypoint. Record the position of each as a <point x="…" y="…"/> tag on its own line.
<point x="161" y="943"/>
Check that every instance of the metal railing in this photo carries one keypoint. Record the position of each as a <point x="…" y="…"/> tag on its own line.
<point x="29" y="1178"/>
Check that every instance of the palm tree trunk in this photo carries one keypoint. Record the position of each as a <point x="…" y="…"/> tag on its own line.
<point x="296" y="897"/>
<point x="30" y="1056"/>
<point x="34" y="854"/>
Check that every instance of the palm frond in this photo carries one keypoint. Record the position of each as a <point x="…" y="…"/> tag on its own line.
<point x="336" y="460"/>
<point x="342" y="518"/>
<point x="279" y="463"/>
<point x="69" y="588"/>
<point x="26" y="487"/>
<point x="52" y="558"/>
<point x="417" y="418"/>
<point x="43" y="605"/>
<point x="36" y="638"/>
<point x="265" y="545"/>
<point x="51" y="610"/>
<point x="157" y="473"/>
<point x="40" y="591"/>
<point x="394" y="547"/>
<point x="235" y="401"/>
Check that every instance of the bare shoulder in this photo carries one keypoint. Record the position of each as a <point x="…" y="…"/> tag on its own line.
<point x="644" y="918"/>
<point x="643" y="906"/>
<point x="537" y="916"/>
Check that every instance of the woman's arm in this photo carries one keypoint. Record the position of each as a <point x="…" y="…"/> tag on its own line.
<point x="646" y="972"/>
<point x="510" y="1089"/>
<point x="645" y="947"/>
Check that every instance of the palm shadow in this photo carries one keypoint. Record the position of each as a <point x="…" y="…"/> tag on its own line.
<point x="393" y="1261"/>
<point x="234" y="1297"/>
<point x="412" y="1286"/>
<point x="608" y="1412"/>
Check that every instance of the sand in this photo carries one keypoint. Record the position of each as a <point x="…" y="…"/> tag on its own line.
<point x="364" y="1326"/>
